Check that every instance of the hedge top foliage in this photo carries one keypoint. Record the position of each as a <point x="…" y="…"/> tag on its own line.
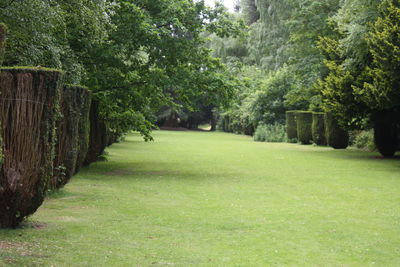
<point x="25" y="69"/>
<point x="77" y="87"/>
<point x="294" y="111"/>
<point x="302" y="111"/>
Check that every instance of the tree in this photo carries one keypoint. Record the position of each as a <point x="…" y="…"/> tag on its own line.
<point x="135" y="55"/>
<point x="363" y="81"/>
<point x="250" y="11"/>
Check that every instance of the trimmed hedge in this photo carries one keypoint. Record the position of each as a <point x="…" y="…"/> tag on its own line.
<point x="28" y="108"/>
<point x="3" y="32"/>
<point x="336" y="137"/>
<point x="318" y="128"/>
<point x="291" y="126"/>
<point x="385" y="133"/>
<point x="98" y="139"/>
<point x="84" y="126"/>
<point x="68" y="127"/>
<point x="304" y="124"/>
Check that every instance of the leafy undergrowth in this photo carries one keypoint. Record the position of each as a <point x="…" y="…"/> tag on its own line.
<point x="215" y="199"/>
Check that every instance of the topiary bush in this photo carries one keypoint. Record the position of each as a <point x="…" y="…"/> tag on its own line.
<point x="67" y="147"/>
<point x="385" y="133"/>
<point x="98" y="139"/>
<point x="84" y="126"/>
<point x="318" y="128"/>
<point x="304" y="125"/>
<point x="270" y="133"/>
<point x="28" y="112"/>
<point x="336" y="137"/>
<point x="291" y="126"/>
<point x="3" y="32"/>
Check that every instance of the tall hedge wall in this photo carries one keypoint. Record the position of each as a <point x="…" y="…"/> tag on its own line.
<point x="29" y="105"/>
<point x="84" y="126"/>
<point x="67" y="147"/>
<point x="386" y="132"/>
<point x="98" y="139"/>
<point x="304" y="124"/>
<point x="336" y="137"/>
<point x="318" y="128"/>
<point x="3" y="32"/>
<point x="291" y="126"/>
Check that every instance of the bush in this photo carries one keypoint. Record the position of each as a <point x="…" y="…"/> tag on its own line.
<point x="365" y="140"/>
<point x="84" y="127"/>
<point x="291" y="126"/>
<point x="385" y="133"/>
<point x="72" y="134"/>
<point x="318" y="128"/>
<point x="270" y="133"/>
<point x="67" y="138"/>
<point x="336" y="137"/>
<point x="304" y="125"/>
<point x="98" y="139"/>
<point x="28" y="110"/>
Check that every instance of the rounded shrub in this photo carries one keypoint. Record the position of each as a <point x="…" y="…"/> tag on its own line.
<point x="304" y="125"/>
<point x="291" y="126"/>
<point x="336" y="137"/>
<point x="318" y="128"/>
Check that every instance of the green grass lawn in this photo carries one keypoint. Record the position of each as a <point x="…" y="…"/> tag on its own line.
<point x="216" y="199"/>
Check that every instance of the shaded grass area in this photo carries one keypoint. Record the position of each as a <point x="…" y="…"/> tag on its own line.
<point x="216" y="199"/>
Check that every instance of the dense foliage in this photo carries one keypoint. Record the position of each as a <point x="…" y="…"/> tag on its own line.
<point x="135" y="55"/>
<point x="336" y="56"/>
<point x="278" y="60"/>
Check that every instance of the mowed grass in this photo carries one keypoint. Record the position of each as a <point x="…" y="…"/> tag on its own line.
<point x="216" y="199"/>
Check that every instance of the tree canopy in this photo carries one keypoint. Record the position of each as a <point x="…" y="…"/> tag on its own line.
<point x="135" y="55"/>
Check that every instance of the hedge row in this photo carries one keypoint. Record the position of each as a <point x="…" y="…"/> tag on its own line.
<point x="304" y="120"/>
<point x="28" y="113"/>
<point x="74" y="115"/>
<point x="317" y="127"/>
<point x="45" y="136"/>
<point x="336" y="137"/>
<point x="291" y="126"/>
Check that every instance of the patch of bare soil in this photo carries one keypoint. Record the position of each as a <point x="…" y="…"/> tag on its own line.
<point x="34" y="225"/>
<point x="21" y="249"/>
<point x="11" y="245"/>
